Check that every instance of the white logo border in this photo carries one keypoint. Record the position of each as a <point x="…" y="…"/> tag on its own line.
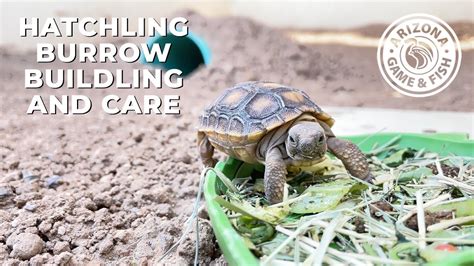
<point x="445" y="26"/>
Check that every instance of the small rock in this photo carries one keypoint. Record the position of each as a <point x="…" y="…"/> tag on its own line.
<point x="139" y="138"/>
<point x="32" y="230"/>
<point x="121" y="235"/>
<point x="202" y="213"/>
<point x="219" y="261"/>
<point x="144" y="249"/>
<point x="62" y="230"/>
<point x="87" y="203"/>
<point x="53" y="181"/>
<point x="30" y="207"/>
<point x="183" y="126"/>
<point x="22" y="199"/>
<point x="165" y="241"/>
<point x="3" y="251"/>
<point x="207" y="247"/>
<point x="103" y="201"/>
<point x="25" y="245"/>
<point x="138" y="162"/>
<point x="63" y="258"/>
<point x="143" y="262"/>
<point x="40" y="259"/>
<point x="27" y="187"/>
<point x="12" y="176"/>
<point x="186" y="158"/>
<point x="28" y="176"/>
<point x="159" y="127"/>
<point x="162" y="194"/>
<point x="164" y="209"/>
<point x="105" y="246"/>
<point x="37" y="260"/>
<point x="5" y="192"/>
<point x="45" y="226"/>
<point x="14" y="165"/>
<point x="11" y="262"/>
<point x="60" y="247"/>
<point x="80" y="250"/>
<point x="24" y="220"/>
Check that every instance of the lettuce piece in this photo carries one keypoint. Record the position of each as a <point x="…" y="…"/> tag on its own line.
<point x="322" y="197"/>
<point x="461" y="208"/>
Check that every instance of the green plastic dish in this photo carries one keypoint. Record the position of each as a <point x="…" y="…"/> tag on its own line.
<point x="233" y="246"/>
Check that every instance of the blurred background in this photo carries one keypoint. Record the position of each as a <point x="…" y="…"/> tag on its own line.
<point x="318" y="45"/>
<point x="302" y="14"/>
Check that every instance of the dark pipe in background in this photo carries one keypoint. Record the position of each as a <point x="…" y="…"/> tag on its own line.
<point x="186" y="53"/>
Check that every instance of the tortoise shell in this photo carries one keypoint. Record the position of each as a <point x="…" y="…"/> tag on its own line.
<point x="243" y="114"/>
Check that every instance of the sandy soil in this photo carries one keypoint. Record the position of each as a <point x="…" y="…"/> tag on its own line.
<point x="101" y="189"/>
<point x="463" y="29"/>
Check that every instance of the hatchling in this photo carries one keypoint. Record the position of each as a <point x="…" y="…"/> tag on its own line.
<point x="275" y="125"/>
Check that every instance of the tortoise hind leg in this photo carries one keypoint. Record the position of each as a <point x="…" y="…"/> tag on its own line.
<point x="206" y="150"/>
<point x="351" y="156"/>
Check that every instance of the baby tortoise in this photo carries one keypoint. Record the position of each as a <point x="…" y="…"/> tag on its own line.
<point x="278" y="126"/>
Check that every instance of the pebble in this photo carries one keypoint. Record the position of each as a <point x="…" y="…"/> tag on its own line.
<point x="28" y="176"/>
<point x="14" y="165"/>
<point x="40" y="259"/>
<point x="31" y="229"/>
<point x="186" y="158"/>
<point x="60" y="247"/>
<point x="30" y="207"/>
<point x="121" y="235"/>
<point x="53" y="181"/>
<point x="165" y="210"/>
<point x="139" y="138"/>
<point x="3" y="251"/>
<point x="45" y="226"/>
<point x="62" y="230"/>
<point x="106" y="246"/>
<point x="87" y="203"/>
<point x="63" y="258"/>
<point x="9" y="177"/>
<point x="144" y="249"/>
<point x="5" y="192"/>
<point x="25" y="245"/>
<point x="103" y="201"/>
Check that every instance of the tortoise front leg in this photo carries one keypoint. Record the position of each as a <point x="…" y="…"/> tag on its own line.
<point x="351" y="156"/>
<point x="275" y="176"/>
<point x="206" y="150"/>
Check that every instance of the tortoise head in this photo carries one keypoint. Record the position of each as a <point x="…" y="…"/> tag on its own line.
<point x="306" y="141"/>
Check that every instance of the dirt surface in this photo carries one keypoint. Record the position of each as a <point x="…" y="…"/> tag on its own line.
<point x="463" y="29"/>
<point x="101" y="189"/>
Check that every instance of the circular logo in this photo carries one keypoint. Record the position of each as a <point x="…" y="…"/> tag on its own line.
<point x="419" y="55"/>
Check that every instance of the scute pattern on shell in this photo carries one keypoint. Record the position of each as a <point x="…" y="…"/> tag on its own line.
<point x="245" y="112"/>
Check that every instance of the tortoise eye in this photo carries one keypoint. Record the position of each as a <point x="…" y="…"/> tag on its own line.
<point x="292" y="140"/>
<point x="321" y="138"/>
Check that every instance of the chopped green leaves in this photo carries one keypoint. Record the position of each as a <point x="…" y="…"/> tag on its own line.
<point x="330" y="217"/>
<point x="414" y="175"/>
<point x="322" y="197"/>
<point x="397" y="158"/>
